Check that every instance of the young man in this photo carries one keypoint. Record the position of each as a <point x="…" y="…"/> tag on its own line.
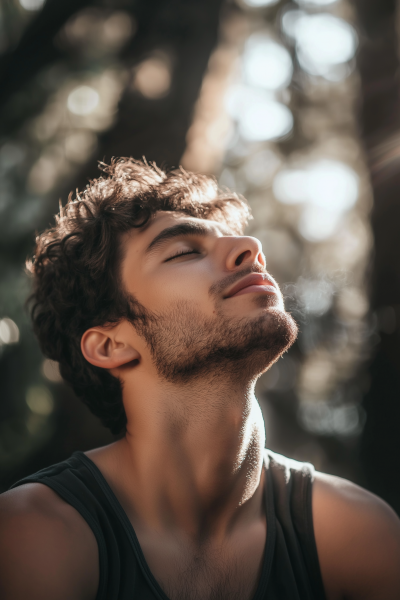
<point x="162" y="316"/>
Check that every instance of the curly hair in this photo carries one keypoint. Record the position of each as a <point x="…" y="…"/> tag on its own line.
<point x="76" y="275"/>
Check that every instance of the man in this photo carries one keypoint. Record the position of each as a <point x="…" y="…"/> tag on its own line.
<point x="162" y="316"/>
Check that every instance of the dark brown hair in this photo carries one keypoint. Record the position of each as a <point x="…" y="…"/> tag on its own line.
<point x="76" y="274"/>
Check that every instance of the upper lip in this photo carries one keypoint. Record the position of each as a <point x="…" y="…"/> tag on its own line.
<point x="252" y="279"/>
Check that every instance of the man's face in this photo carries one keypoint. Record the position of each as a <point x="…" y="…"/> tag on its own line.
<point x="207" y="299"/>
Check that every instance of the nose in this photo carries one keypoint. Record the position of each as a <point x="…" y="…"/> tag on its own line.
<point x="243" y="251"/>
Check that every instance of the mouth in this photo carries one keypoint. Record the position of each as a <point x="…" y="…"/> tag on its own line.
<point x="255" y="283"/>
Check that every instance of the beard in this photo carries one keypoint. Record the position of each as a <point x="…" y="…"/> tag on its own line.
<point x="185" y="345"/>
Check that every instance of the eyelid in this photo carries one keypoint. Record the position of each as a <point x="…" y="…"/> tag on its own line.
<point x="182" y="252"/>
<point x="187" y="246"/>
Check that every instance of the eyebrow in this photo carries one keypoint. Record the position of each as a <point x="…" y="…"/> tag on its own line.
<point x="180" y="229"/>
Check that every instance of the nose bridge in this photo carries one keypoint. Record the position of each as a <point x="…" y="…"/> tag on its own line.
<point x="242" y="249"/>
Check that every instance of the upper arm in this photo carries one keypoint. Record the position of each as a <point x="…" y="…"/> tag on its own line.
<point x="358" y="541"/>
<point x="47" y="550"/>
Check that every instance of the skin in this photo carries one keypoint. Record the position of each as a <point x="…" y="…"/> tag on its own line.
<point x="199" y="516"/>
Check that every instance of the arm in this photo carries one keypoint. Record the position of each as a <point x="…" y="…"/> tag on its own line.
<point x="358" y="541"/>
<point x="47" y="550"/>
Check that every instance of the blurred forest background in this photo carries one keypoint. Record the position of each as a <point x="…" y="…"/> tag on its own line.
<point x="296" y="106"/>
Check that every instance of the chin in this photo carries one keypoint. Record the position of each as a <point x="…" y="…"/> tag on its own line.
<point x="251" y="345"/>
<point x="275" y="331"/>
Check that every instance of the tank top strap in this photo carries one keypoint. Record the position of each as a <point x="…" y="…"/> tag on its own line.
<point x="291" y="483"/>
<point x="72" y="481"/>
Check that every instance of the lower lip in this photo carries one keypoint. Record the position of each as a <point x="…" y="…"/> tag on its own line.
<point x="258" y="289"/>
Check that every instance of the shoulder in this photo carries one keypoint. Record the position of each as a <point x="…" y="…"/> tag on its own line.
<point x="47" y="548"/>
<point x="358" y="540"/>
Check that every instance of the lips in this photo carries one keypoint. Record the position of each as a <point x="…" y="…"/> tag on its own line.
<point x="255" y="282"/>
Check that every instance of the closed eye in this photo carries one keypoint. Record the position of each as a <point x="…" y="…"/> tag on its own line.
<point x="182" y="253"/>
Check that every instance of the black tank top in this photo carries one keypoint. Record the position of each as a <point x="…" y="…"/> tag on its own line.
<point x="290" y="568"/>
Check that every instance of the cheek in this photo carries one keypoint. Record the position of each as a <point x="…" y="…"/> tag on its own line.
<point x="177" y="288"/>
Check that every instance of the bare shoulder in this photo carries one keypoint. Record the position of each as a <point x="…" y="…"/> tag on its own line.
<point x="47" y="549"/>
<point x="358" y="541"/>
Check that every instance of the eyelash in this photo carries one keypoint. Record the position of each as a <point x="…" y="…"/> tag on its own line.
<point x="183" y="253"/>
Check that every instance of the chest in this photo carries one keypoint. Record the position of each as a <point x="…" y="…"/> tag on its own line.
<point x="226" y="571"/>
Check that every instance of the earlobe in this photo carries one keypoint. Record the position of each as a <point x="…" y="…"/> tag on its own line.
<point x="101" y="348"/>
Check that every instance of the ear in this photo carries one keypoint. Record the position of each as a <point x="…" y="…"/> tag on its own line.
<point x="107" y="347"/>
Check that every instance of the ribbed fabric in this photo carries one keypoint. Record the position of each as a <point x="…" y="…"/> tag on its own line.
<point x="290" y="566"/>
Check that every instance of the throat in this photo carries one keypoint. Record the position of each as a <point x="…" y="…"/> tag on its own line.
<point x="205" y="465"/>
<point x="193" y="488"/>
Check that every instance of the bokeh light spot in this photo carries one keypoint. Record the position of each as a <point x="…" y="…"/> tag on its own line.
<point x="290" y="20"/>
<point x="315" y="2"/>
<point x="260" y="3"/>
<point x="333" y="185"/>
<point x="327" y="419"/>
<point x="83" y="100"/>
<point x="327" y="184"/>
<point x="266" y="63"/>
<point x="290" y="186"/>
<point x="323" y="42"/>
<point x="315" y="295"/>
<point x="32" y="4"/>
<point x="266" y="120"/>
<point x="260" y="167"/>
<point x="80" y="145"/>
<point x="51" y="370"/>
<point x="317" y="223"/>
<point x="39" y="400"/>
<point x="153" y="78"/>
<point x="9" y="332"/>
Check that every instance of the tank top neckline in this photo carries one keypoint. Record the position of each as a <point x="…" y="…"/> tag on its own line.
<point x="261" y="590"/>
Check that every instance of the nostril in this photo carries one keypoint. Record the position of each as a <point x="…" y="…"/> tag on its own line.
<point x="261" y="259"/>
<point x="242" y="257"/>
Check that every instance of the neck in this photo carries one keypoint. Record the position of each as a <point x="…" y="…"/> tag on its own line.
<point x="203" y="445"/>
